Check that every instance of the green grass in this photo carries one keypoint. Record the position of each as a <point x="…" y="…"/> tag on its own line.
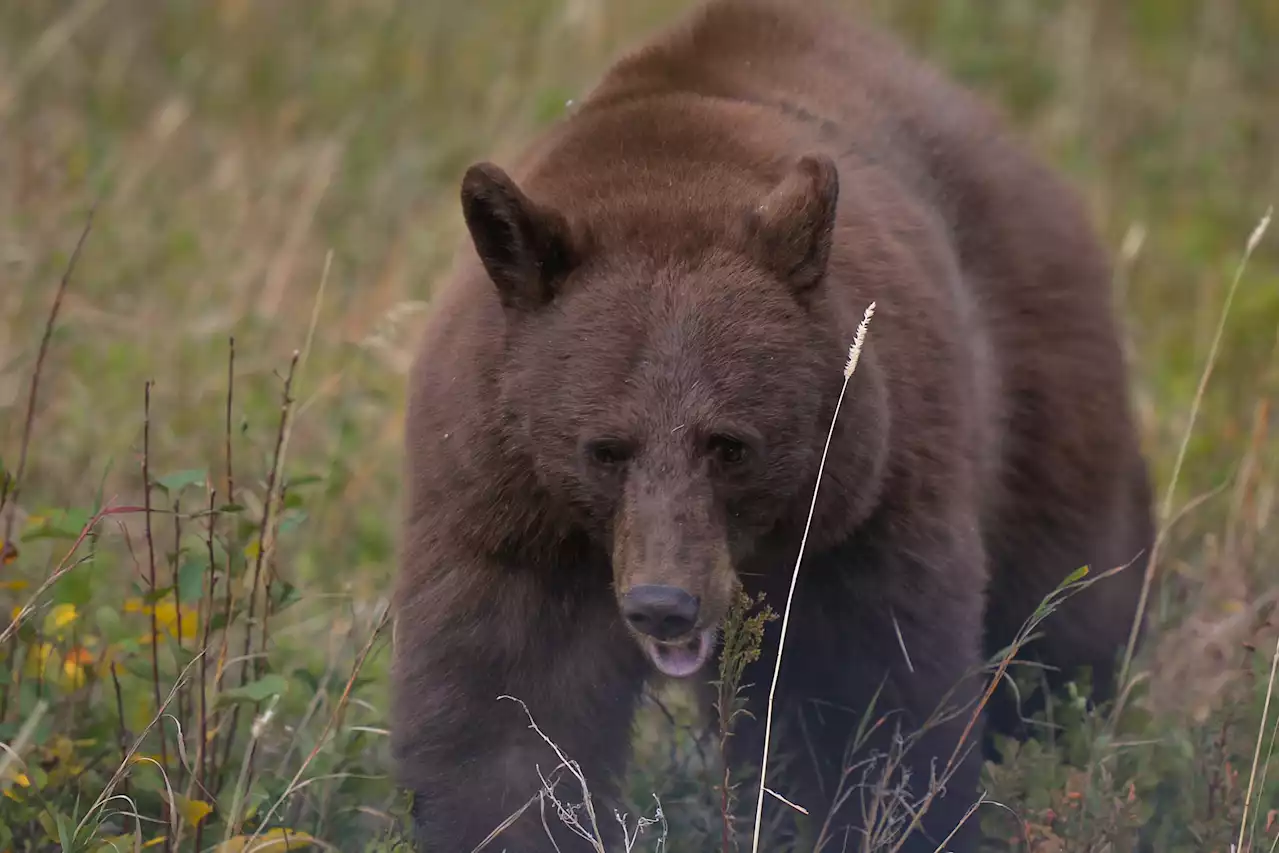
<point x="236" y="151"/>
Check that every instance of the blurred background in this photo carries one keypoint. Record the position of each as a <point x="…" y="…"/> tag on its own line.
<point x="286" y="174"/>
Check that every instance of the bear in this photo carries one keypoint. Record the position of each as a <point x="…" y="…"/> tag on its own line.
<point x="622" y="397"/>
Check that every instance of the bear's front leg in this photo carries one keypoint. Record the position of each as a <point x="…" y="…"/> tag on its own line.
<point x="894" y="625"/>
<point x="467" y="634"/>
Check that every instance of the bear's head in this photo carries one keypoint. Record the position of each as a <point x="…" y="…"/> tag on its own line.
<point x="671" y="383"/>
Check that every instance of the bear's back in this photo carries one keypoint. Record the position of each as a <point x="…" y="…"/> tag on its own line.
<point x="683" y="132"/>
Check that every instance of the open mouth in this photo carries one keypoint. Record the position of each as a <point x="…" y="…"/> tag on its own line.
<point x="682" y="658"/>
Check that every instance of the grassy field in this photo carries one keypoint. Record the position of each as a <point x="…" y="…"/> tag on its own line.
<point x="284" y="175"/>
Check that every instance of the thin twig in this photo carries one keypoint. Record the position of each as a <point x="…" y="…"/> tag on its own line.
<point x="207" y="599"/>
<point x="219" y="769"/>
<point x="266" y="541"/>
<point x="177" y="594"/>
<point x="275" y="485"/>
<point x="151" y="566"/>
<point x="11" y="486"/>
<point x="120" y="730"/>
<point x="566" y="816"/>
<point x="273" y="500"/>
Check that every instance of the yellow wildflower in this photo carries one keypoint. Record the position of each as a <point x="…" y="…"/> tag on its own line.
<point x="74" y="664"/>
<point x="166" y="613"/>
<point x="60" y="616"/>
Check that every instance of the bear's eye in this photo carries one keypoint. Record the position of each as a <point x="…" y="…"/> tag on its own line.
<point x="608" y="452"/>
<point x="727" y="450"/>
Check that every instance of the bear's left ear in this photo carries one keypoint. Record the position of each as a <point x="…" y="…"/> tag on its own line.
<point x="791" y="229"/>
<point x="525" y="248"/>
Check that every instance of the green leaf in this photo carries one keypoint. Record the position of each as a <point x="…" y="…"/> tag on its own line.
<point x="183" y="656"/>
<point x="58" y="524"/>
<point x="1076" y="575"/>
<point x="66" y="833"/>
<point x="292" y="521"/>
<point x="179" y="480"/>
<point x="159" y="594"/>
<point x="75" y="587"/>
<point x="138" y="666"/>
<point x="50" y="826"/>
<point x="308" y="678"/>
<point x="113" y="843"/>
<point x="191" y="579"/>
<point x="107" y="621"/>
<point x="283" y="594"/>
<point x="39" y="778"/>
<point x="256" y="691"/>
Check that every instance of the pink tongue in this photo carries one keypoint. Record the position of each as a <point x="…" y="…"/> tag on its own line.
<point x="678" y="661"/>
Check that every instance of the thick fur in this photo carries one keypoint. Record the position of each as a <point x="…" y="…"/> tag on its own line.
<point x="677" y="268"/>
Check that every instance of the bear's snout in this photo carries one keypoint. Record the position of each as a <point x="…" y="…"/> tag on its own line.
<point x="660" y="611"/>
<point x="664" y="620"/>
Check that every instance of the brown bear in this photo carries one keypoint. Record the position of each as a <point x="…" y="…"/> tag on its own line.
<point x="618" y="414"/>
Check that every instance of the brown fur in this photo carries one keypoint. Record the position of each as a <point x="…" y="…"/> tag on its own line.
<point x="678" y="268"/>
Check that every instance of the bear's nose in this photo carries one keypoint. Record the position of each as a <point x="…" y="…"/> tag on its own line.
<point x="661" y="612"/>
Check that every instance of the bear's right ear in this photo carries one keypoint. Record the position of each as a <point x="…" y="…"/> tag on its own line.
<point x="525" y="248"/>
<point x="791" y="228"/>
